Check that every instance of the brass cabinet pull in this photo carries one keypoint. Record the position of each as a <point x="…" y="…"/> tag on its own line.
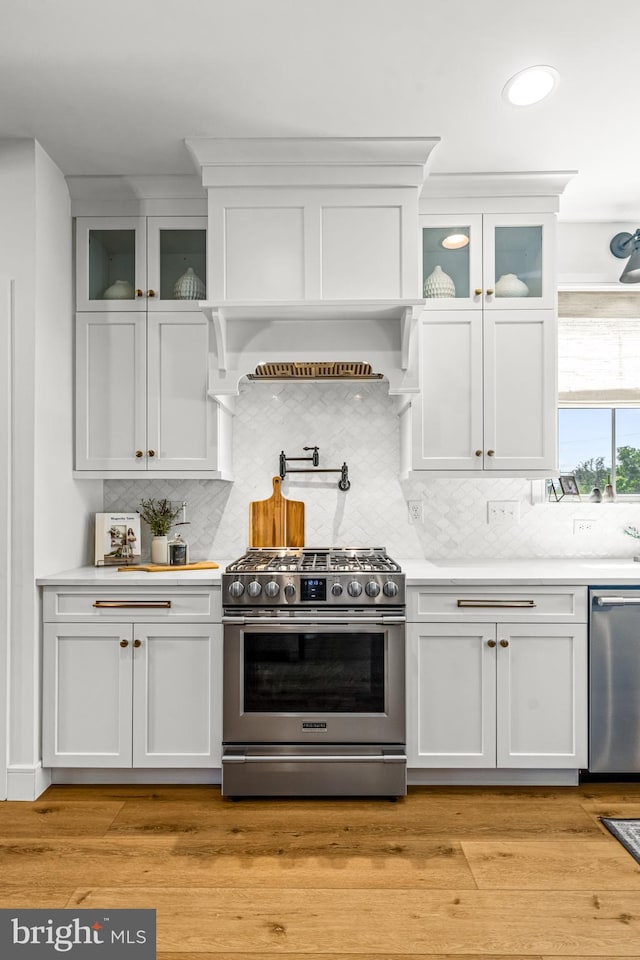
<point x="124" y="643"/>
<point x="478" y="453"/>
<point x="139" y="454"/>
<point x="478" y="291"/>
<point x="489" y="293"/>
<point x="151" y="293"/>
<point x="135" y="604"/>
<point x="496" y="603"/>
<point x="151" y="453"/>
<point x="139" y="293"/>
<point x="137" y="643"/>
<point x="491" y="643"/>
<point x="504" y="643"/>
<point x="491" y="453"/>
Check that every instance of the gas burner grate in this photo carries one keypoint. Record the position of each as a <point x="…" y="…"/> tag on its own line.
<point x="320" y="560"/>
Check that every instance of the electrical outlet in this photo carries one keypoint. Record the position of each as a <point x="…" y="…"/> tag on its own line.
<point x="416" y="513"/>
<point x="584" y="526"/>
<point x="503" y="511"/>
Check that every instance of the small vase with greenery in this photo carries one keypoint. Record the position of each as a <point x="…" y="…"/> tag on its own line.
<point x="159" y="515"/>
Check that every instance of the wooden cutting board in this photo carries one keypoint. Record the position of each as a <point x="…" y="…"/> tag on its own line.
<point x="170" y="568"/>
<point x="276" y="522"/>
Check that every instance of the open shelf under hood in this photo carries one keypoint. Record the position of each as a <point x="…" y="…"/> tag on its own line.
<point x="312" y="339"/>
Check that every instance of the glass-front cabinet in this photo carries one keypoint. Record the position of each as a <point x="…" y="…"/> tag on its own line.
<point x="140" y="263"/>
<point x="493" y="261"/>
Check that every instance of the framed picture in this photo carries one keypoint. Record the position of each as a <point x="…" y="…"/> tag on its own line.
<point x="569" y="486"/>
<point x="117" y="539"/>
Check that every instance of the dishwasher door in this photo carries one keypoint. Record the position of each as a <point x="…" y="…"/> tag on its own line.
<point x="614" y="680"/>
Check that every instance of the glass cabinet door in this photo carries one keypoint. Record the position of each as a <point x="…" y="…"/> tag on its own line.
<point x="451" y="261"/>
<point x="177" y="262"/>
<point x="518" y="261"/>
<point x="110" y="263"/>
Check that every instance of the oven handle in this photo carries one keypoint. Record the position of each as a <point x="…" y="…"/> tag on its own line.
<point x="315" y="621"/>
<point x="296" y="757"/>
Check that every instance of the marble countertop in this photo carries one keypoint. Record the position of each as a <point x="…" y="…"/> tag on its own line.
<point x="474" y="572"/>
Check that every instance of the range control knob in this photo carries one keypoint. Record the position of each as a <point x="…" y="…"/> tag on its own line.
<point x="236" y="589"/>
<point x="372" y="588"/>
<point x="254" y="589"/>
<point x="272" y="589"/>
<point x="336" y="590"/>
<point x="390" y="589"/>
<point x="354" y="588"/>
<point x="289" y="590"/>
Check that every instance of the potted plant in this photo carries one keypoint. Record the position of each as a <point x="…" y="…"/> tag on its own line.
<point x="159" y="515"/>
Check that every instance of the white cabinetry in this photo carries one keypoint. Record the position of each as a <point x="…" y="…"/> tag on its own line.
<point x="487" y="360"/>
<point x="142" y="362"/>
<point x="148" y="254"/>
<point x="131" y="684"/>
<point x="501" y="683"/>
<point x="141" y="397"/>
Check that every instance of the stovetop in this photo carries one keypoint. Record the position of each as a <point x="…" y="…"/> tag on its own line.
<point x="315" y="560"/>
<point x="305" y="576"/>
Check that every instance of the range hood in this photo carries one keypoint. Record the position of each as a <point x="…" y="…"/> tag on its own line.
<point x="314" y="258"/>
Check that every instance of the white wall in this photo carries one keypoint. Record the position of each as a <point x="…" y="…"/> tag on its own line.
<point x="358" y="423"/>
<point x="584" y="257"/>
<point x="35" y="250"/>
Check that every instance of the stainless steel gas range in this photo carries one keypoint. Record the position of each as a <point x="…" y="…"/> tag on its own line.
<point x="314" y="674"/>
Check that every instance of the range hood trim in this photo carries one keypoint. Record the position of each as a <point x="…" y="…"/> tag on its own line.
<point x="221" y="313"/>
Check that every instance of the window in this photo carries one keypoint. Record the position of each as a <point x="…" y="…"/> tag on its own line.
<point x="599" y="390"/>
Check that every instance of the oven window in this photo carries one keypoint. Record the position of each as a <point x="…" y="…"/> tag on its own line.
<point x="314" y="673"/>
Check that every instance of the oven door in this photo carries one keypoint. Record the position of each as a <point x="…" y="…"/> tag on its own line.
<point x="314" y="679"/>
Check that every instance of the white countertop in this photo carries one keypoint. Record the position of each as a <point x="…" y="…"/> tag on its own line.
<point x="593" y="572"/>
<point x="109" y="576"/>
<point x="473" y="572"/>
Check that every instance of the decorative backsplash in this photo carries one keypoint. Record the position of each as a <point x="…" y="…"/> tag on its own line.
<point x="357" y="423"/>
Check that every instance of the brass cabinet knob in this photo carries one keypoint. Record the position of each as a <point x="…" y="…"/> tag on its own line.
<point x="478" y="291"/>
<point x="478" y="453"/>
<point x="139" y="454"/>
<point x="151" y="293"/>
<point x="491" y="453"/>
<point x="137" y="643"/>
<point x="504" y="643"/>
<point x="491" y="643"/>
<point x="124" y="643"/>
<point x="489" y="293"/>
<point x="151" y="453"/>
<point x="139" y="293"/>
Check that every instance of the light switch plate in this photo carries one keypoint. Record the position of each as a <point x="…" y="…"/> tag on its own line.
<point x="503" y="511"/>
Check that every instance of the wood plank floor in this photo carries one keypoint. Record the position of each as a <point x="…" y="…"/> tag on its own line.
<point x="464" y="872"/>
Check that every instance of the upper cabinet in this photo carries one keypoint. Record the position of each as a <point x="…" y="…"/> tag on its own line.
<point x="489" y="261"/>
<point x="140" y="263"/>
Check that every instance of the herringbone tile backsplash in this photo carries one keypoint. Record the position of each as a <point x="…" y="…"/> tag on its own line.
<point x="357" y="423"/>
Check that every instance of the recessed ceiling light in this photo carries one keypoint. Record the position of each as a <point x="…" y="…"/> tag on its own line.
<point x="455" y="241"/>
<point x="530" y="86"/>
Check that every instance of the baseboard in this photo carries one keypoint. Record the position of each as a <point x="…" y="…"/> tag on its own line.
<point x="488" y="778"/>
<point x="118" y="776"/>
<point x="27" y="782"/>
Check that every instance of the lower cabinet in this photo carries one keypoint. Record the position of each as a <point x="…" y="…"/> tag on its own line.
<point x="123" y="694"/>
<point x="497" y="694"/>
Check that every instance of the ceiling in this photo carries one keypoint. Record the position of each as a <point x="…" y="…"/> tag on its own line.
<point x="116" y="88"/>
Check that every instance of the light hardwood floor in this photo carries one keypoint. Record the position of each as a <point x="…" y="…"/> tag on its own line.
<point x="446" y="872"/>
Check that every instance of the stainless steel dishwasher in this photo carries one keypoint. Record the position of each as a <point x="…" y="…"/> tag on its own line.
<point x="614" y="680"/>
